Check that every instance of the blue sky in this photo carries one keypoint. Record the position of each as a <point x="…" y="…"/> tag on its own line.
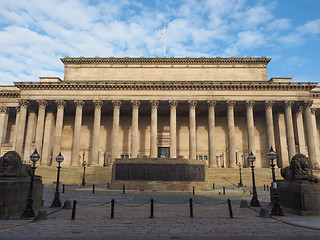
<point x="34" y="34"/>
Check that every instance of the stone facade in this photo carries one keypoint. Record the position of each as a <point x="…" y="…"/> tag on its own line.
<point x="213" y="109"/>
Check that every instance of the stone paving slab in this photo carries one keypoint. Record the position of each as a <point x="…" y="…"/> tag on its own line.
<point x="171" y="221"/>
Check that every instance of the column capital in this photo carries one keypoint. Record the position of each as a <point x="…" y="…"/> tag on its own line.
<point x="154" y="104"/>
<point x="250" y="103"/>
<point x="269" y="104"/>
<point x="3" y="109"/>
<point x="231" y="103"/>
<point x="18" y="109"/>
<point x="79" y="103"/>
<point x="288" y="103"/>
<point x="135" y="103"/>
<point x="192" y="104"/>
<point x="97" y="103"/>
<point x="308" y="103"/>
<point x="212" y="103"/>
<point x="173" y="103"/>
<point x="23" y="103"/>
<point x="313" y="111"/>
<point x="116" y="103"/>
<point x="299" y="108"/>
<point x="42" y="103"/>
<point x="60" y="103"/>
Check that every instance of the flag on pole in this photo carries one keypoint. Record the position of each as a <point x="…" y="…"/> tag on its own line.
<point x="162" y="33"/>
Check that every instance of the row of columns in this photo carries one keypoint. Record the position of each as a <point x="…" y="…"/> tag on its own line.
<point x="42" y="125"/>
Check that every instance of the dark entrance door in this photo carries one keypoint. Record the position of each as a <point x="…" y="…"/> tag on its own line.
<point x="163" y="152"/>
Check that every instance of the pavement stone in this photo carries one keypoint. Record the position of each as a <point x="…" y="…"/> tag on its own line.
<point x="171" y="218"/>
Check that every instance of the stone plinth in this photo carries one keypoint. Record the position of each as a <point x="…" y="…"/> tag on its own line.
<point x="159" y="174"/>
<point x="300" y="197"/>
<point x="14" y="193"/>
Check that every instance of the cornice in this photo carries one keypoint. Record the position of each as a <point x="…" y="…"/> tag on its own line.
<point x="9" y="94"/>
<point x="315" y="94"/>
<point x="168" y="85"/>
<point x="171" y="60"/>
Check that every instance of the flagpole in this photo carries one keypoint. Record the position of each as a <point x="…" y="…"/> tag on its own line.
<point x="164" y="45"/>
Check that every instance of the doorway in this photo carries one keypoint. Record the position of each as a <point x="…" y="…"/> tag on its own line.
<point x="163" y="152"/>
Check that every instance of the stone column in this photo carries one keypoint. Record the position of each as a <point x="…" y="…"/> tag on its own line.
<point x="192" y="130"/>
<point x="47" y="140"/>
<point x="5" y="126"/>
<point x="231" y="135"/>
<point x="270" y="125"/>
<point x="16" y="128"/>
<point x="315" y="137"/>
<point x="154" y="129"/>
<point x="300" y="130"/>
<point x="77" y="133"/>
<point x="250" y="127"/>
<point x="96" y="133"/>
<point x="135" y="128"/>
<point x="58" y="130"/>
<point x="3" y="112"/>
<point x="173" y="128"/>
<point x="115" y="129"/>
<point x="212" y="133"/>
<point x="40" y="125"/>
<point x="312" y="154"/>
<point x="29" y="134"/>
<point x="21" y="126"/>
<point x="289" y="128"/>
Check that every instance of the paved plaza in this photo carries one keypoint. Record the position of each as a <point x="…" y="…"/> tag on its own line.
<point x="211" y="219"/>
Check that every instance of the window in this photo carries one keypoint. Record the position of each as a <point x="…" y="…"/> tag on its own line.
<point x="205" y="157"/>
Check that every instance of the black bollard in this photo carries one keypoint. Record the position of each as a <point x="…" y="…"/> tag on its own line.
<point x="230" y="208"/>
<point x="213" y="186"/>
<point x="191" y="207"/>
<point x="267" y="187"/>
<point x="224" y="190"/>
<point x="93" y="188"/>
<point x="112" y="208"/>
<point x="264" y="187"/>
<point x="123" y="189"/>
<point x="151" y="210"/>
<point x="193" y="190"/>
<point x="63" y="188"/>
<point x="107" y="185"/>
<point x="74" y="208"/>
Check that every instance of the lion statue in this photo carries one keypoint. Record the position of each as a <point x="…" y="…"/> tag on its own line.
<point x="11" y="166"/>
<point x="299" y="169"/>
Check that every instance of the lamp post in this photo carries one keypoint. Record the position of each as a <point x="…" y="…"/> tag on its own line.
<point x="84" y="163"/>
<point x="56" y="201"/>
<point x="254" y="201"/>
<point x="240" y="183"/>
<point x="276" y="208"/>
<point x="29" y="211"/>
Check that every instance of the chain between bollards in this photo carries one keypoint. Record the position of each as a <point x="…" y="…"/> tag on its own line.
<point x="74" y="208"/>
<point x="151" y="210"/>
<point x="112" y="208"/>
<point x="230" y="208"/>
<point x="191" y="207"/>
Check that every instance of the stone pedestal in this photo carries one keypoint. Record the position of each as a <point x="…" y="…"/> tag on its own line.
<point x="159" y="174"/>
<point x="14" y="193"/>
<point x="300" y="197"/>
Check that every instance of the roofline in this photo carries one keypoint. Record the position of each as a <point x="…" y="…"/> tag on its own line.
<point x="171" y="60"/>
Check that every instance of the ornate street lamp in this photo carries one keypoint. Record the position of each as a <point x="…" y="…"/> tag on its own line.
<point x="29" y="211"/>
<point x="254" y="201"/>
<point x="276" y="208"/>
<point x="240" y="183"/>
<point x="56" y="201"/>
<point x="84" y="163"/>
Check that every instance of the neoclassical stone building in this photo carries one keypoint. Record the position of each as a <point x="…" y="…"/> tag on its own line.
<point x="215" y="109"/>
